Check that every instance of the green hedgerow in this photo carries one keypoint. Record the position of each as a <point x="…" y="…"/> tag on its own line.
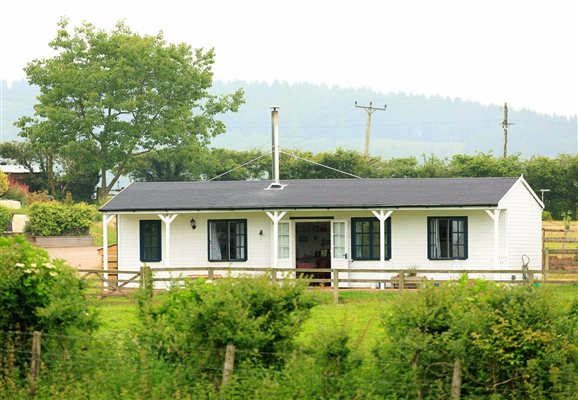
<point x="196" y="323"/>
<point x="508" y="342"/>
<point x="56" y="219"/>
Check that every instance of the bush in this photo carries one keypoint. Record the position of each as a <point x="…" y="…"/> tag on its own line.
<point x="55" y="219"/>
<point x="16" y="191"/>
<point x="194" y="326"/>
<point x="38" y="197"/>
<point x="3" y="183"/>
<point x="5" y="218"/>
<point x="511" y="342"/>
<point x="547" y="216"/>
<point x="37" y="294"/>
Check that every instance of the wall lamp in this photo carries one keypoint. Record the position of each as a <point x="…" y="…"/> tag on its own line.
<point x="193" y="223"/>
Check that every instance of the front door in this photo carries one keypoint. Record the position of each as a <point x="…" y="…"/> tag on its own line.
<point x="313" y="249"/>
<point x="339" y="249"/>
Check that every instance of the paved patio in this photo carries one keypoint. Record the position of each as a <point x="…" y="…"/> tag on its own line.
<point x="79" y="257"/>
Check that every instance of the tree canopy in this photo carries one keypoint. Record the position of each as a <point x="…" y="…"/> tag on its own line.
<point x="107" y="98"/>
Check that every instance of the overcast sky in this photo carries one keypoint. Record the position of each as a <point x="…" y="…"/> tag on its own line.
<point x="521" y="51"/>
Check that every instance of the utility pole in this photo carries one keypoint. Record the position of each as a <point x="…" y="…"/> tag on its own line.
<point x="370" y="110"/>
<point x="506" y="125"/>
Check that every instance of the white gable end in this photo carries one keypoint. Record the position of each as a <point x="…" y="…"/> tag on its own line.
<point x="523" y="224"/>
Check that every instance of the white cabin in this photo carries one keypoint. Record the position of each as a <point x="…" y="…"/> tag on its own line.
<point x="352" y="224"/>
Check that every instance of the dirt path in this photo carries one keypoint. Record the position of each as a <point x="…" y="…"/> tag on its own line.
<point x="79" y="257"/>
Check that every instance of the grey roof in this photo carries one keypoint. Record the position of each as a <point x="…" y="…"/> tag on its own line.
<point x="311" y="194"/>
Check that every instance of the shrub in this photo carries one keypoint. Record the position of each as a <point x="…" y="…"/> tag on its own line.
<point x="37" y="294"/>
<point x="38" y="197"/>
<point x="511" y="342"/>
<point x="55" y="219"/>
<point x="3" y="183"/>
<point x="5" y="217"/>
<point x="194" y="326"/>
<point x="547" y="216"/>
<point x="16" y="191"/>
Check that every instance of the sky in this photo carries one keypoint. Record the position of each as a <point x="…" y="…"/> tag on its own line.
<point x="524" y="52"/>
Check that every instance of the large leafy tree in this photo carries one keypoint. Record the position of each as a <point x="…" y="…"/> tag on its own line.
<point x="107" y="98"/>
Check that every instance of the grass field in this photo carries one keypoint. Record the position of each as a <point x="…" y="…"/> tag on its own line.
<point x="359" y="313"/>
<point x="96" y="233"/>
<point x="572" y="233"/>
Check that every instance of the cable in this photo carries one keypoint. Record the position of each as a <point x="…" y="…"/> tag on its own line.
<point x="321" y="165"/>
<point x="237" y="167"/>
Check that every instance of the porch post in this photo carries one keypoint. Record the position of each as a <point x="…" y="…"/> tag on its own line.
<point x="276" y="216"/>
<point x="105" y="220"/>
<point x="167" y="219"/>
<point x="382" y="216"/>
<point x="495" y="216"/>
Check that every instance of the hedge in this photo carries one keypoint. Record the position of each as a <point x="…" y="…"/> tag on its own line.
<point x="56" y="219"/>
<point x="5" y="217"/>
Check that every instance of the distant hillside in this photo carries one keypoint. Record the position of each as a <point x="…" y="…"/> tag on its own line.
<point x="318" y="118"/>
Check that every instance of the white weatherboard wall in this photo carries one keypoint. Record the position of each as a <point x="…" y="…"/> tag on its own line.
<point x="524" y="216"/>
<point x="189" y="248"/>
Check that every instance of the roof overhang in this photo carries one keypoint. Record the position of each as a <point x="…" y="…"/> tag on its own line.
<point x="315" y="209"/>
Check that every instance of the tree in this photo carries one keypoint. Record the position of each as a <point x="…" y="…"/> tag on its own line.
<point x="108" y="98"/>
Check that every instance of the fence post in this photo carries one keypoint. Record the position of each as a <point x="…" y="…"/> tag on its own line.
<point x="401" y="280"/>
<point x="146" y="280"/>
<point x="456" y="389"/>
<point x="210" y="273"/>
<point x="336" y="287"/>
<point x="273" y="275"/>
<point x="546" y="265"/>
<point x="35" y="361"/>
<point x="229" y="363"/>
<point x="530" y="278"/>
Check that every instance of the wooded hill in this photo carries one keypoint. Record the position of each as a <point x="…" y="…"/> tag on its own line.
<point x="320" y="118"/>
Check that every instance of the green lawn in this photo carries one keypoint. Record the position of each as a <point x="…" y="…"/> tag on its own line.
<point x="117" y="314"/>
<point x="96" y="233"/>
<point x="359" y="314"/>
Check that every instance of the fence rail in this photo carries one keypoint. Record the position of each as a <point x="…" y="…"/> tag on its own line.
<point x="106" y="284"/>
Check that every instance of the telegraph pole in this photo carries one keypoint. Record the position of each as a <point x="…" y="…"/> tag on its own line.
<point x="370" y="110"/>
<point x="506" y="125"/>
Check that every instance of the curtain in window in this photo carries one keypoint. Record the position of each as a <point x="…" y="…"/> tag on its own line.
<point x="214" y="245"/>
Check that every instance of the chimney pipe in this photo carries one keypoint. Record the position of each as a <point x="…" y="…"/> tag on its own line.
<point x="275" y="147"/>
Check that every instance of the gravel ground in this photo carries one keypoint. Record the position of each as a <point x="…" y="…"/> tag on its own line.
<point x="79" y="257"/>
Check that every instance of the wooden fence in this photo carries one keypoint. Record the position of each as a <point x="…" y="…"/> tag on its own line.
<point x="560" y="254"/>
<point x="105" y="284"/>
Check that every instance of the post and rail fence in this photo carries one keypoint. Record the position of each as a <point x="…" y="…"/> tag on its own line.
<point x="335" y="279"/>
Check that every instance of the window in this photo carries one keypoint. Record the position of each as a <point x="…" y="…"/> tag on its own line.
<point x="228" y="240"/>
<point x="447" y="238"/>
<point x="283" y="240"/>
<point x="150" y="240"/>
<point x="338" y="239"/>
<point x="365" y="238"/>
